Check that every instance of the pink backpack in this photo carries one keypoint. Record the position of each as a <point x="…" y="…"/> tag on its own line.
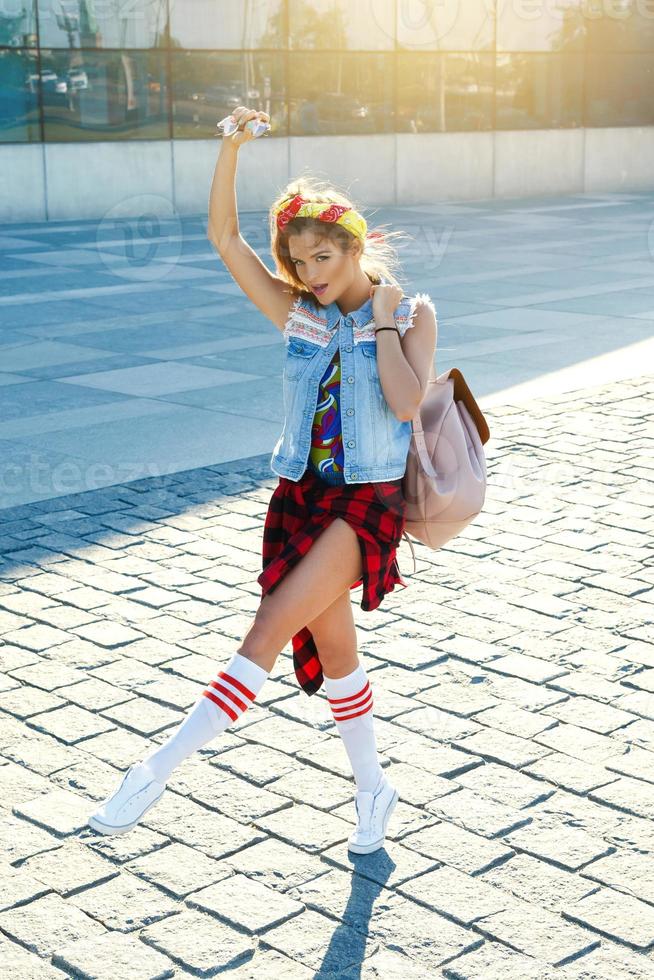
<point x="444" y="485"/>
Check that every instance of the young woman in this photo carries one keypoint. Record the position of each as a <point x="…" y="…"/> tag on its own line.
<point x="354" y="377"/>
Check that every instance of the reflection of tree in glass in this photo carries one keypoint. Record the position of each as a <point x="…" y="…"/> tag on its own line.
<point x="630" y="29"/>
<point x="451" y="85"/>
<point x="308" y="27"/>
<point x="319" y="90"/>
<point x="572" y="32"/>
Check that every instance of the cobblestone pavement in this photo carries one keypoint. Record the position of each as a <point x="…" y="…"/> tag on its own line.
<point x="514" y="695"/>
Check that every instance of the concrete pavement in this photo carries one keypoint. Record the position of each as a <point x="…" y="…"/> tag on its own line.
<point x="127" y="350"/>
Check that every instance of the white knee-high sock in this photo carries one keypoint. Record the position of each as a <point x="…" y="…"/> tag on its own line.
<point x="350" y="699"/>
<point x="222" y="702"/>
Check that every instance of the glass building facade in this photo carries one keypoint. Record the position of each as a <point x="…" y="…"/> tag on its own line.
<point x="89" y="70"/>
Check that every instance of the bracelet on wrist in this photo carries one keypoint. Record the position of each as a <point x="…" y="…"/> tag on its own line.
<point x="379" y="330"/>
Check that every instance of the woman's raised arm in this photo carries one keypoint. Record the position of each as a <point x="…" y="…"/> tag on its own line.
<point x="268" y="292"/>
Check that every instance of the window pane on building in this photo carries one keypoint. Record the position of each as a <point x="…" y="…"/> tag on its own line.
<point x="19" y="105"/>
<point x="18" y="25"/>
<point x="440" y="93"/>
<point x="103" y="23"/>
<point x="542" y="25"/>
<point x="100" y="95"/>
<point x="340" y="25"/>
<point x="344" y="93"/>
<point x="234" y="24"/>
<point x="538" y="91"/>
<point x="625" y="26"/>
<point x="207" y="86"/>
<point x="619" y="89"/>
<point x="445" y="25"/>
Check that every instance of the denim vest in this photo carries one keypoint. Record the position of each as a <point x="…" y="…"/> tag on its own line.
<point x="375" y="442"/>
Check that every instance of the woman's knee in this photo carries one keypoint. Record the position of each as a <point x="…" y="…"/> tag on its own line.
<point x="334" y="633"/>
<point x="259" y="646"/>
<point x="338" y="661"/>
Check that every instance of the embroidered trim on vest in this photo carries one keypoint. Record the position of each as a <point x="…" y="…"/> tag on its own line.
<point x="364" y="332"/>
<point x="305" y="323"/>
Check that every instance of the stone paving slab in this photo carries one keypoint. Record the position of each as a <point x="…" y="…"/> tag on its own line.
<point x="516" y="717"/>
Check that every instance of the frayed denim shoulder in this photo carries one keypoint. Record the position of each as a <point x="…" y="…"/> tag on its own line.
<point x="407" y="309"/>
<point x="419" y="300"/>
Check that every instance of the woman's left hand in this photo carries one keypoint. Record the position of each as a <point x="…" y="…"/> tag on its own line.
<point x="385" y="299"/>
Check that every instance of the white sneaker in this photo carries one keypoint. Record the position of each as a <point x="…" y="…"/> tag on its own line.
<point x="373" y="812"/>
<point x="137" y="792"/>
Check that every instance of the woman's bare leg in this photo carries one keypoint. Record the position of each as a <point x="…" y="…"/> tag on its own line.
<point x="346" y="683"/>
<point x="329" y="568"/>
<point x="315" y="584"/>
<point x="334" y="633"/>
<point x="281" y="614"/>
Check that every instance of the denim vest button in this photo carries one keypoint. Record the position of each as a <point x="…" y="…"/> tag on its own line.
<point x="350" y="411"/>
<point x="354" y="476"/>
<point x="351" y="444"/>
<point x="350" y="380"/>
<point x="349" y="350"/>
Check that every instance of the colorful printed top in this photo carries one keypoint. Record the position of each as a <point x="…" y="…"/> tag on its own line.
<point x="326" y="457"/>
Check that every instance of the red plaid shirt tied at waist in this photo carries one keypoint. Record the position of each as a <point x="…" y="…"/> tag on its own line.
<point x="299" y="511"/>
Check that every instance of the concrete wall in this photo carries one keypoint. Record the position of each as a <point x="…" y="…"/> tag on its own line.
<point x="61" y="181"/>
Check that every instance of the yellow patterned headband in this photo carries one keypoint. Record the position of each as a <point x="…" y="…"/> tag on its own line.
<point x="298" y="207"/>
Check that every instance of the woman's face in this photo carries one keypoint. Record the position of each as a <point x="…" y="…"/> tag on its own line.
<point x="322" y="263"/>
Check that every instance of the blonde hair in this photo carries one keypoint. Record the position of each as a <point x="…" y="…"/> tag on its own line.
<point x="378" y="258"/>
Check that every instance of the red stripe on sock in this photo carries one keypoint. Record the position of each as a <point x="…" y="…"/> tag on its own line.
<point x="338" y="713"/>
<point x="356" y="713"/>
<point x="221" y="704"/>
<point x="238" y="685"/>
<point x="350" y="697"/>
<point x="230" y="694"/>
